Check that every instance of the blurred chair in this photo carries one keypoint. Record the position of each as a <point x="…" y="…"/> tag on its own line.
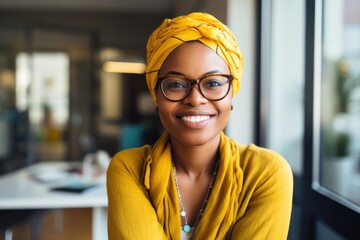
<point x="11" y="218"/>
<point x="131" y="135"/>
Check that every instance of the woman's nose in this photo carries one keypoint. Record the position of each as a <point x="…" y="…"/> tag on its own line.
<point x="195" y="98"/>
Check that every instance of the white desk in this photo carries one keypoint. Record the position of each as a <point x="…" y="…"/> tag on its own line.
<point x="19" y="190"/>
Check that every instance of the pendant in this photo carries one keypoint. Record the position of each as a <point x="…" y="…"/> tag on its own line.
<point x="183" y="213"/>
<point x="186" y="228"/>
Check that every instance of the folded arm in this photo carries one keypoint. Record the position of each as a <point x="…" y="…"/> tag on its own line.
<point x="130" y="213"/>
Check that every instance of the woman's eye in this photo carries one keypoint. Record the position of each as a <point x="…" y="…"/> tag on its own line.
<point x="214" y="82"/>
<point x="175" y="84"/>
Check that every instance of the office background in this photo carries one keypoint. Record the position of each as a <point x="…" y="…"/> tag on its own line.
<point x="299" y="96"/>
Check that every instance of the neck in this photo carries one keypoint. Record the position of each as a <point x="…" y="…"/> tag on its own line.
<point x="195" y="160"/>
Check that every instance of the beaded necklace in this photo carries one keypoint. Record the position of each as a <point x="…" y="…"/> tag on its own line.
<point x="186" y="228"/>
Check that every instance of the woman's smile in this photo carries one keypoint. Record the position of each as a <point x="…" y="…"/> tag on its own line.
<point x="195" y="119"/>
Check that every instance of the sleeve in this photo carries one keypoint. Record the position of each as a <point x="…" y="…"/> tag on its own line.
<point x="130" y="213"/>
<point x="268" y="211"/>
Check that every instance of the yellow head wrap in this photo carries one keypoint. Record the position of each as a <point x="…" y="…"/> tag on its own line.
<point x="201" y="27"/>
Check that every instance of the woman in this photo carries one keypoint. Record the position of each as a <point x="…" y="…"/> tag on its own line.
<point x="195" y="182"/>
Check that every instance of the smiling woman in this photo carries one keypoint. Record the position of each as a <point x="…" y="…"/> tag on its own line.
<point x="181" y="118"/>
<point x="195" y="182"/>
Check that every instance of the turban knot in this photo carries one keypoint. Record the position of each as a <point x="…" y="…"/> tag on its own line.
<point x="201" y="27"/>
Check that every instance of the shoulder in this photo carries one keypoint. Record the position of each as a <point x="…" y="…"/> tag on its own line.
<point x="263" y="163"/>
<point x="129" y="161"/>
<point x="253" y="154"/>
<point x="254" y="161"/>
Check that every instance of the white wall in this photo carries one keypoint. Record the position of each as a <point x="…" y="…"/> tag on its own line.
<point x="241" y="18"/>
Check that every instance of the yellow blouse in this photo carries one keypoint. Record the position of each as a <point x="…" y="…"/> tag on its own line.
<point x="251" y="197"/>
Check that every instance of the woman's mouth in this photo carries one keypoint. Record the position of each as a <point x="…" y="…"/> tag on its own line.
<point x="195" y="118"/>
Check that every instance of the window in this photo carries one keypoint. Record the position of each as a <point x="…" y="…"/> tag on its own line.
<point x="42" y="88"/>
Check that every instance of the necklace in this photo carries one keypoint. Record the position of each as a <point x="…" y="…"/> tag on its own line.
<point x="186" y="228"/>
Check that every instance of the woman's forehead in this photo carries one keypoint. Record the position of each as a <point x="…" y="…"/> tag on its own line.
<point x="193" y="59"/>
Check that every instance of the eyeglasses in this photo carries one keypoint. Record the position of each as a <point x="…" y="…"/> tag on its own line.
<point x="213" y="87"/>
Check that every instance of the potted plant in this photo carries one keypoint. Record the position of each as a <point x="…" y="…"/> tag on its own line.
<point x="337" y="164"/>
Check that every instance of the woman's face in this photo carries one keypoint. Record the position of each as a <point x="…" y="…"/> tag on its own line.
<point x="195" y="120"/>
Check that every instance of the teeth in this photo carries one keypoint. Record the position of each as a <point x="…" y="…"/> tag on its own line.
<point x="195" y="118"/>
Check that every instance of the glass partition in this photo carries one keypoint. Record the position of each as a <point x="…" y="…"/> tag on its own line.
<point x="13" y="121"/>
<point x="339" y="100"/>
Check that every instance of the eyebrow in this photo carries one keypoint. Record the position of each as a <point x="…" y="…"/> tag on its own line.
<point x="181" y="74"/>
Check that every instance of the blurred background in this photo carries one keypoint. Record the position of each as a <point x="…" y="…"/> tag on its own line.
<point x="65" y="93"/>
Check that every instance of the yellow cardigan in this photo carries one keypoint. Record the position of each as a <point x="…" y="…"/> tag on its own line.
<point x="251" y="197"/>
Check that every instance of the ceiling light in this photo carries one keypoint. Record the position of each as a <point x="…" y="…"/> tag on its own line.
<point x="124" y="67"/>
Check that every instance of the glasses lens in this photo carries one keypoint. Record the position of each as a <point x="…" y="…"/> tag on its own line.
<point x="175" y="88"/>
<point x="214" y="87"/>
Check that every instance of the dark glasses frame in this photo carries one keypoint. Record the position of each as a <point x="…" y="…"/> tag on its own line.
<point x="192" y="83"/>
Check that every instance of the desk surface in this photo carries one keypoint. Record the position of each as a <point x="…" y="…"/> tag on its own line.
<point x="20" y="190"/>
